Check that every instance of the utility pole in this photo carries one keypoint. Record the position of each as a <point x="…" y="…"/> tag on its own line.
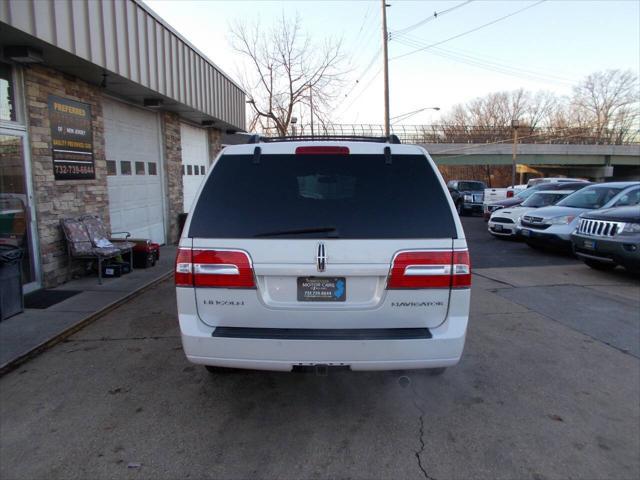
<point x="514" y="126"/>
<point x="385" y="41"/>
<point x="311" y="104"/>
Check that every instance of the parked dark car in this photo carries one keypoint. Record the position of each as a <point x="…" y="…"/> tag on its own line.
<point x="521" y="196"/>
<point x="468" y="195"/>
<point x="609" y="237"/>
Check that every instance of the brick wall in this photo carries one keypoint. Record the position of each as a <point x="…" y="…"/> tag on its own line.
<point x="57" y="199"/>
<point x="173" y="171"/>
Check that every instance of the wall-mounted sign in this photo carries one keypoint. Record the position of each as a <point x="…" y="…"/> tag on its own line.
<point x="71" y="139"/>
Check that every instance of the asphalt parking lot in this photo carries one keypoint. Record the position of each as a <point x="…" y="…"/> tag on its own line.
<point x="549" y="387"/>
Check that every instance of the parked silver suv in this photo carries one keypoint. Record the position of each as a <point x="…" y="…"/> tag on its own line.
<point x="323" y="253"/>
<point x="553" y="226"/>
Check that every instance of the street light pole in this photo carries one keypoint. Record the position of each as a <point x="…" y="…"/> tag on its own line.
<point x="514" y="126"/>
<point x="387" y="127"/>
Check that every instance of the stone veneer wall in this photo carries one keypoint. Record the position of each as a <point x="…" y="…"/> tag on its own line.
<point x="57" y="199"/>
<point x="215" y="144"/>
<point x="173" y="171"/>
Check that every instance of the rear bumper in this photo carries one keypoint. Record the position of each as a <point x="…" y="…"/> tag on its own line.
<point x="443" y="349"/>
<point x="476" y="207"/>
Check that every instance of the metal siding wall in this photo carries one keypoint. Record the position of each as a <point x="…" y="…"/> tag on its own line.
<point x="96" y="40"/>
<point x="176" y="68"/>
<point x="133" y="46"/>
<point x="80" y="22"/>
<point x="64" y="29"/>
<point x="124" y="38"/>
<point x="4" y="12"/>
<point x="120" y="21"/>
<point x="43" y="21"/>
<point x="153" y="45"/>
<point x="20" y="15"/>
<point x="143" y="48"/>
<point x="167" y="59"/>
<point x="110" y="44"/>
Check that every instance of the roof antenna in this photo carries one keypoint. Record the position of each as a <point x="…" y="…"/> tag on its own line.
<point x="256" y="155"/>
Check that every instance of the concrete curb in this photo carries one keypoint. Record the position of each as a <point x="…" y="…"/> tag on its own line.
<point x="37" y="350"/>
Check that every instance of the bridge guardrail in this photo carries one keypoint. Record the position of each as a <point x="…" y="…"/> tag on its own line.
<point x="477" y="134"/>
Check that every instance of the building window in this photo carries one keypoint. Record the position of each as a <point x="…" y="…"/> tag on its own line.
<point x="189" y="170"/>
<point x="111" y="167"/>
<point x="201" y="169"/>
<point x="125" y="167"/>
<point x="152" y="168"/>
<point x="7" y="98"/>
<point x="183" y="170"/>
<point x="139" y="168"/>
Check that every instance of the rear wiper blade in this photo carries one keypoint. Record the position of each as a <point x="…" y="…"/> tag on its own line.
<point x="297" y="231"/>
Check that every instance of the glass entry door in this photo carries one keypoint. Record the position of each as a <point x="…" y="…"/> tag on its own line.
<point x="16" y="216"/>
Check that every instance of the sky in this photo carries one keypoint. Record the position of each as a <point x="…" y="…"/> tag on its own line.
<point x="551" y="45"/>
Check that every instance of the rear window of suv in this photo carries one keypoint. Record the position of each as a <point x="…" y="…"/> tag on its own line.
<point x="318" y="196"/>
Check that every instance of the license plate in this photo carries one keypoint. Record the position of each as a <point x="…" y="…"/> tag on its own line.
<point x="525" y="233"/>
<point x="322" y="289"/>
<point x="590" y="244"/>
<point x="497" y="228"/>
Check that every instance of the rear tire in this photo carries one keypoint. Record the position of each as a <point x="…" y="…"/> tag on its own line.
<point x="436" y="372"/>
<point x="603" y="266"/>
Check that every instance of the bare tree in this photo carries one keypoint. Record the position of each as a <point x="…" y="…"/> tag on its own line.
<point x="287" y="70"/>
<point x="608" y="101"/>
<point x="500" y="108"/>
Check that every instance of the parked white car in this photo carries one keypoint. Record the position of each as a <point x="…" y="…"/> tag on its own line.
<point x="323" y="253"/>
<point x="504" y="222"/>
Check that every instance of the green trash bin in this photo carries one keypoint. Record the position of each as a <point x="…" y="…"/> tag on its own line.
<point x="11" y="300"/>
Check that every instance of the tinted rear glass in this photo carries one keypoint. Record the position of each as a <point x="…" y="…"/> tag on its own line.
<point x="471" y="186"/>
<point x="356" y="196"/>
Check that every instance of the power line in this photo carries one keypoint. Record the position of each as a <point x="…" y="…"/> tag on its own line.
<point x="364" y="89"/>
<point x="469" y="31"/>
<point x="507" y="63"/>
<point x="404" y="31"/>
<point x="512" y="70"/>
<point x="364" y="72"/>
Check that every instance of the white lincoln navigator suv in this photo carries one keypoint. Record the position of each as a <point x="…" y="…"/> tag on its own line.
<point x="335" y="252"/>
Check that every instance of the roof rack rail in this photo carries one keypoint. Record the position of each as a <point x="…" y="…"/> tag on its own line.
<point x="319" y="138"/>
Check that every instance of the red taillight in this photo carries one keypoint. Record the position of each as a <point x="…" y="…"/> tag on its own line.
<point x="461" y="269"/>
<point x="509" y="193"/>
<point x="435" y="269"/>
<point x="213" y="268"/>
<point x="322" y="150"/>
<point x="184" y="268"/>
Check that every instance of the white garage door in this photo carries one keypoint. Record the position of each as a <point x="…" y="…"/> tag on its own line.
<point x="134" y="170"/>
<point x="195" y="161"/>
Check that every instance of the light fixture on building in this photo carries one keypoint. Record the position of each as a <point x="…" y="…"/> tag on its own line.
<point x="23" y="54"/>
<point x="207" y="123"/>
<point x="153" y="102"/>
